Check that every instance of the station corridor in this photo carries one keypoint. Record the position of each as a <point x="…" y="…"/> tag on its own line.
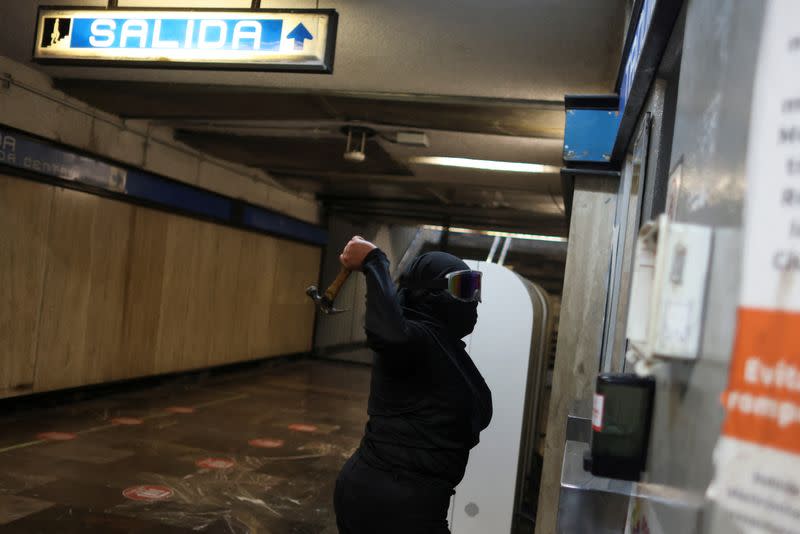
<point x="254" y="450"/>
<point x="417" y="267"/>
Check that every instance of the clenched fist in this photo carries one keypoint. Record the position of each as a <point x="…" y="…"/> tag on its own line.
<point x="352" y="257"/>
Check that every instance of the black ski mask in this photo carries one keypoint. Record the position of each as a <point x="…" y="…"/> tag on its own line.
<point x="457" y="317"/>
<point x="447" y="319"/>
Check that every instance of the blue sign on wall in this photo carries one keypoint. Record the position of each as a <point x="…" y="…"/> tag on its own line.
<point x="635" y="52"/>
<point x="589" y="135"/>
<point x="24" y="152"/>
<point x="262" y="39"/>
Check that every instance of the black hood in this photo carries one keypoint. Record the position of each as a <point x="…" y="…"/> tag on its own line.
<point x="456" y="317"/>
<point x="448" y="320"/>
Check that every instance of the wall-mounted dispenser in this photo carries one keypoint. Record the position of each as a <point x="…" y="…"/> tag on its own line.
<point x="621" y="415"/>
<point x="667" y="292"/>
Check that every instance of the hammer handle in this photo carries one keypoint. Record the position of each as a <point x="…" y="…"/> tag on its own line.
<point x="336" y="285"/>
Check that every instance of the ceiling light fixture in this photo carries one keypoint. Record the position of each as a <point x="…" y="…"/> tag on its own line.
<point x="354" y="153"/>
<point x="485" y="164"/>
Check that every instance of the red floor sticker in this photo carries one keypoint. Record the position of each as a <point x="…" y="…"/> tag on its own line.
<point x="148" y="493"/>
<point x="266" y="443"/>
<point x="180" y="409"/>
<point x="57" y="436"/>
<point x="215" y="463"/>
<point x="126" y="421"/>
<point x="300" y="427"/>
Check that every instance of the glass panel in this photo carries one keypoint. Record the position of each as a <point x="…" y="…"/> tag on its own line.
<point x="626" y="229"/>
<point x="632" y="224"/>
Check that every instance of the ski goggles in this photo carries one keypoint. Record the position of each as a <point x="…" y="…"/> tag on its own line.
<point x="463" y="285"/>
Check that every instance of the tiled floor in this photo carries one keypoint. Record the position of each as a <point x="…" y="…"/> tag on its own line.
<point x="253" y="451"/>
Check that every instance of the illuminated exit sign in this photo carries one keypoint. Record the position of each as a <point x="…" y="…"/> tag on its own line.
<point x="289" y="40"/>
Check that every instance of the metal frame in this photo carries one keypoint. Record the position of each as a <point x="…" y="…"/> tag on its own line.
<point x="641" y="148"/>
<point x="327" y="68"/>
<point x="664" y="18"/>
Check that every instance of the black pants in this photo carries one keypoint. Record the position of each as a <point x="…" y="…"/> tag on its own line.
<point x="373" y="501"/>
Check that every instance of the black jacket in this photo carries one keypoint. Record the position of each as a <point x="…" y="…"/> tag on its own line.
<point x="428" y="402"/>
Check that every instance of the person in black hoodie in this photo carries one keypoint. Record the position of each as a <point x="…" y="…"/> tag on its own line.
<point x="428" y="402"/>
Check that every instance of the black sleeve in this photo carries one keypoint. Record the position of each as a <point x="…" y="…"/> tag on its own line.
<point x="384" y="322"/>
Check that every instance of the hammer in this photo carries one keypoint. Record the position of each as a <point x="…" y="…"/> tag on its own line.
<point x="325" y="301"/>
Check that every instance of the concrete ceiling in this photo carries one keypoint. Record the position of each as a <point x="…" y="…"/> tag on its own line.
<point x="483" y="80"/>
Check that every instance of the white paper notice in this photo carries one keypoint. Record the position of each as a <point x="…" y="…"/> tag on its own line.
<point x="757" y="460"/>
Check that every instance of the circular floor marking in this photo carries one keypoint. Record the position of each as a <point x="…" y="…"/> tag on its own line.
<point x="300" y="427"/>
<point x="148" y="493"/>
<point x="266" y="443"/>
<point x="215" y="463"/>
<point x="57" y="436"/>
<point x="126" y="421"/>
<point x="180" y="409"/>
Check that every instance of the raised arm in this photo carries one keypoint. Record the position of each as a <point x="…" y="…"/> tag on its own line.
<point x="384" y="323"/>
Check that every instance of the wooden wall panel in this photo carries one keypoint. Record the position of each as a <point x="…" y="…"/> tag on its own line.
<point x="176" y="294"/>
<point x="110" y="241"/>
<point x="200" y="316"/>
<point x="24" y="223"/>
<point x="143" y="289"/>
<point x="257" y="277"/>
<point x="292" y="313"/>
<point x="61" y="353"/>
<point x="224" y="295"/>
<point x="243" y="297"/>
<point x="95" y="290"/>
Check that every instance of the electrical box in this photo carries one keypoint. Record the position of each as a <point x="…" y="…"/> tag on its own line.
<point x="668" y="291"/>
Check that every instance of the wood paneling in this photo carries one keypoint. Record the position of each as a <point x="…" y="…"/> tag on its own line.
<point x="105" y="319"/>
<point x="257" y="273"/>
<point x="292" y="313"/>
<point x="143" y="294"/>
<point x="224" y="295"/>
<point x="24" y="223"/>
<point x="582" y="303"/>
<point x="201" y="315"/>
<point x="61" y="356"/>
<point x="95" y="290"/>
<point x="176" y="294"/>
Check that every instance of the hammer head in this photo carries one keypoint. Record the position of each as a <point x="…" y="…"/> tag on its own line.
<point x="324" y="304"/>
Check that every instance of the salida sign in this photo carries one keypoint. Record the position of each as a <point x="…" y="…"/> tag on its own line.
<point x="264" y="40"/>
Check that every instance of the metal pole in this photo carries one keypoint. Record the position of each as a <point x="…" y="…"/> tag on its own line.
<point x="445" y="240"/>
<point x="493" y="250"/>
<point x="112" y="4"/>
<point x="255" y="4"/>
<point x="503" y="253"/>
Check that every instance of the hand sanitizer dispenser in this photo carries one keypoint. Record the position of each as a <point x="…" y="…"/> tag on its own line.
<point x="621" y="415"/>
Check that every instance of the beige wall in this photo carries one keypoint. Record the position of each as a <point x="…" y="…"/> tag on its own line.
<point x="93" y="290"/>
<point x="30" y="104"/>
<point x="580" y="334"/>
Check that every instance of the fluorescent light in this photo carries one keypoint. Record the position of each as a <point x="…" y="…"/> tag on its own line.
<point x="485" y="164"/>
<point x="492" y="233"/>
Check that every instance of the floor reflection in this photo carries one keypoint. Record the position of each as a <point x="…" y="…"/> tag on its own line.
<point x="245" y="452"/>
